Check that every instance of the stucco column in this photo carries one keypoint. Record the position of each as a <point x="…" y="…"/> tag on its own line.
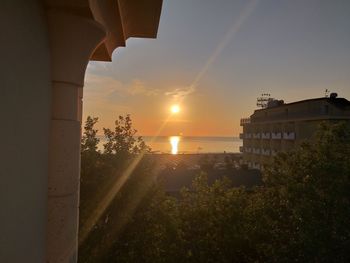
<point x="72" y="40"/>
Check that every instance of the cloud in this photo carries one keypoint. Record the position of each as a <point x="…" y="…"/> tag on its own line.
<point x="108" y="96"/>
<point x="180" y="93"/>
<point x="101" y="95"/>
<point x="108" y="86"/>
<point x="137" y="87"/>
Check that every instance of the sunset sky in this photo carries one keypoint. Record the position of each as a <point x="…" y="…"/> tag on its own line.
<point x="216" y="57"/>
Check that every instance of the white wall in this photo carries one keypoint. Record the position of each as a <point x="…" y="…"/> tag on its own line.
<point x="25" y="96"/>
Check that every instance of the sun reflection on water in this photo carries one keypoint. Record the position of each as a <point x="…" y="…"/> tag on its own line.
<point x="174" y="141"/>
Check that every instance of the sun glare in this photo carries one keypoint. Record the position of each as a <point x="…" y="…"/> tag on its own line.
<point x="175" y="109"/>
<point x="174" y="141"/>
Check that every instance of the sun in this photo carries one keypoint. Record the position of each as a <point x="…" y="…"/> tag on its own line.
<point x="175" y="109"/>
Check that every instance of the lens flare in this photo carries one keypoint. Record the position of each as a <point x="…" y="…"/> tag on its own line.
<point x="174" y="141"/>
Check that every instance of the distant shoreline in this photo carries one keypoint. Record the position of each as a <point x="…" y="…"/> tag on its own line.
<point x="184" y="137"/>
<point x="190" y="144"/>
<point x="194" y="153"/>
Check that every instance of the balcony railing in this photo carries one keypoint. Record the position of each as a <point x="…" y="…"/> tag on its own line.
<point x="265" y="152"/>
<point x="276" y="135"/>
<point x="248" y="136"/>
<point x="289" y="135"/>
<point x="244" y="121"/>
<point x="248" y="149"/>
<point x="256" y="135"/>
<point x="265" y="135"/>
<point x="256" y="150"/>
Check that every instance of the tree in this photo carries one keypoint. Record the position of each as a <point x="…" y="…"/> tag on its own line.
<point x="207" y="163"/>
<point x="104" y="172"/>
<point x="229" y="162"/>
<point x="122" y="140"/>
<point x="89" y="140"/>
<point x="91" y="167"/>
<point x="305" y="203"/>
<point x="89" y="149"/>
<point x="300" y="214"/>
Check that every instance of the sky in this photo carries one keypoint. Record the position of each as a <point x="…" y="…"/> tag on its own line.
<point x="214" y="58"/>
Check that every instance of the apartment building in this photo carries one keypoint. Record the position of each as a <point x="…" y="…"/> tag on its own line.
<point x="280" y="126"/>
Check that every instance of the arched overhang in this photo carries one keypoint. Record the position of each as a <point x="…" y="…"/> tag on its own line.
<point x="80" y="31"/>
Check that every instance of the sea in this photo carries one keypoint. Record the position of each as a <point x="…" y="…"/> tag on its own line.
<point x="191" y="144"/>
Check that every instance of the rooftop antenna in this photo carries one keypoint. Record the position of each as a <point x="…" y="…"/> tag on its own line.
<point x="326" y="93"/>
<point x="263" y="100"/>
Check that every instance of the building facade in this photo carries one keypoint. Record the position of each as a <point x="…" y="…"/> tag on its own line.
<point x="280" y="127"/>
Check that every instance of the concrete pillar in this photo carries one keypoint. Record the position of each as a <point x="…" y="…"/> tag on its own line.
<point x="25" y="102"/>
<point x="72" y="41"/>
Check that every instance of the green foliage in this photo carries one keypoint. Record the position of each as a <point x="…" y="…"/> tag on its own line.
<point x="308" y="191"/>
<point x="229" y="162"/>
<point x="122" y="140"/>
<point x="151" y="234"/>
<point x="211" y="220"/>
<point x="100" y="172"/>
<point x="207" y="163"/>
<point x="89" y="141"/>
<point x="301" y="214"/>
<point x="90" y="155"/>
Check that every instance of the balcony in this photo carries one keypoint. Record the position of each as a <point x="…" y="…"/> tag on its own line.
<point x="265" y="135"/>
<point x="276" y="135"/>
<point x="289" y="135"/>
<point x="256" y="135"/>
<point x="248" y="149"/>
<point x="248" y="136"/>
<point x="256" y="150"/>
<point x="244" y="121"/>
<point x="265" y="152"/>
